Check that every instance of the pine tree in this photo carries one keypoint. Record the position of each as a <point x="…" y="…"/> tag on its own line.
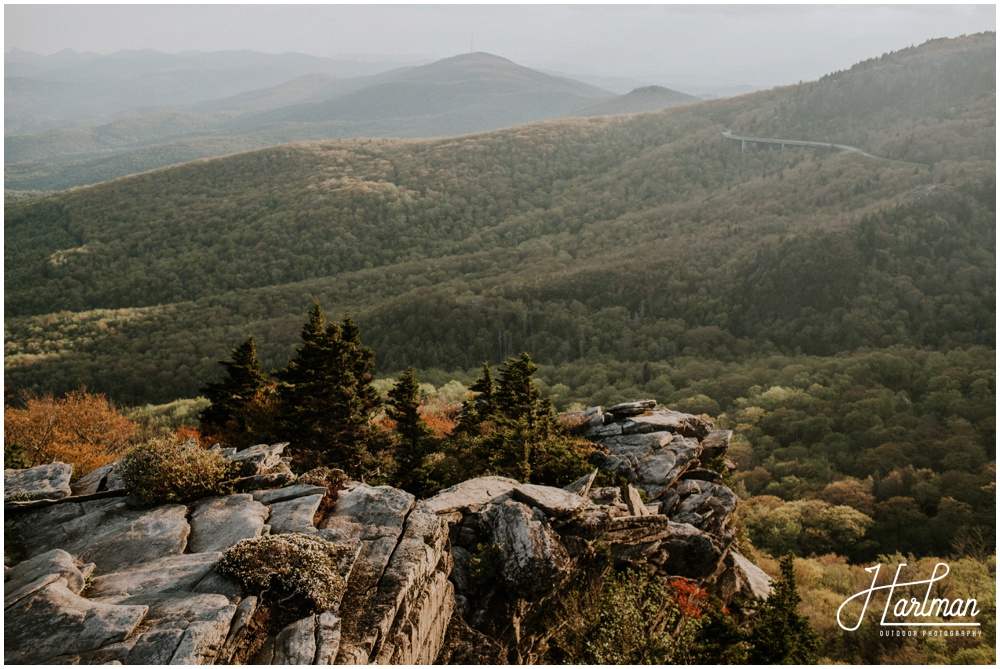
<point x="327" y="401"/>
<point x="781" y="634"/>
<point x="231" y="414"/>
<point x="413" y="433"/>
<point x="479" y="408"/>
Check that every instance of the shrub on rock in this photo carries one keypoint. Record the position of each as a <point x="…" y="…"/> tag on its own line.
<point x="161" y="472"/>
<point x="297" y="570"/>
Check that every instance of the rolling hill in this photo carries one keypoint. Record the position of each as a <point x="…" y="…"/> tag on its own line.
<point x="646" y="98"/>
<point x="629" y="239"/>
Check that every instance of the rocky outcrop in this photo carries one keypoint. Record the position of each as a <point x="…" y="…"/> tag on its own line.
<point x="45" y="482"/>
<point x="446" y="579"/>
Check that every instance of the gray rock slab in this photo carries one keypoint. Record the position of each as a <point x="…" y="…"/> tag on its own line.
<point x="181" y="628"/>
<point x="633" y="408"/>
<point x="598" y="432"/>
<point x="690" y="552"/>
<point x="634" y="502"/>
<point x="553" y="502"/>
<point x="374" y="516"/>
<point x="49" y="481"/>
<point x="55" y="561"/>
<point x="273" y="479"/>
<point x="258" y="459"/>
<point x="582" y="485"/>
<point x="663" y="467"/>
<point x="238" y="627"/>
<point x="714" y="503"/>
<point x="665" y="420"/>
<point x="378" y="615"/>
<point x="740" y="578"/>
<point x="533" y="558"/>
<point x="471" y="495"/>
<point x="758" y="583"/>
<point x="219" y="522"/>
<point x="295" y="515"/>
<point x="55" y="621"/>
<point x="107" y="532"/>
<point x="638" y="445"/>
<point x="418" y="635"/>
<point x="715" y="444"/>
<point x="327" y="638"/>
<point x="91" y="483"/>
<point x="296" y="643"/>
<point x="174" y="573"/>
<point x="284" y="494"/>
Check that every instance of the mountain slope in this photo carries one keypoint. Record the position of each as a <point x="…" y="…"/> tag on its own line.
<point x="632" y="238"/>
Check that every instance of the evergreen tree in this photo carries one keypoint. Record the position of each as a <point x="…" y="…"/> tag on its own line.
<point x="781" y="634"/>
<point x="511" y="430"/>
<point x="413" y="434"/>
<point x="231" y="414"/>
<point x="327" y="401"/>
<point x="479" y="408"/>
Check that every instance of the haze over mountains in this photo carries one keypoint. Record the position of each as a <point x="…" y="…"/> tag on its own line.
<point x="171" y="109"/>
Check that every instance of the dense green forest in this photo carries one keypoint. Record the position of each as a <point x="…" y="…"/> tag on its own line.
<point x="836" y="310"/>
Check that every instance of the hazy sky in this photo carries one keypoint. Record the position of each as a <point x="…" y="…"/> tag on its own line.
<point x="756" y="44"/>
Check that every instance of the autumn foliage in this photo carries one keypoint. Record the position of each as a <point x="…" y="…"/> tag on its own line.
<point x="80" y="428"/>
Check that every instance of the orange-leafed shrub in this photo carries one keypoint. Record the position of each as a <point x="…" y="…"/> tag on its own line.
<point x="441" y="421"/>
<point x="688" y="596"/>
<point x="81" y="428"/>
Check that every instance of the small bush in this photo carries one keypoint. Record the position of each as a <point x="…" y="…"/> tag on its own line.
<point x="298" y="571"/>
<point x="160" y="472"/>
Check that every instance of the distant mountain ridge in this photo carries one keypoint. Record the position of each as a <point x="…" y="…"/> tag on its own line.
<point x="463" y="94"/>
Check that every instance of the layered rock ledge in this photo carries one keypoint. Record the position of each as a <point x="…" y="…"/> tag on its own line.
<point x="111" y="582"/>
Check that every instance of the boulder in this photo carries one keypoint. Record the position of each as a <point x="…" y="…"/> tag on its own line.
<point x="651" y="461"/>
<point x="258" y="459"/>
<point x="553" y="502"/>
<point x="690" y="552"/>
<point x="471" y="495"/>
<point x="744" y="578"/>
<point x="715" y="444"/>
<point x="95" y="481"/>
<point x="706" y="505"/>
<point x="219" y="522"/>
<point x="55" y="621"/>
<point x="533" y="557"/>
<point x="55" y="561"/>
<point x="49" y="481"/>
